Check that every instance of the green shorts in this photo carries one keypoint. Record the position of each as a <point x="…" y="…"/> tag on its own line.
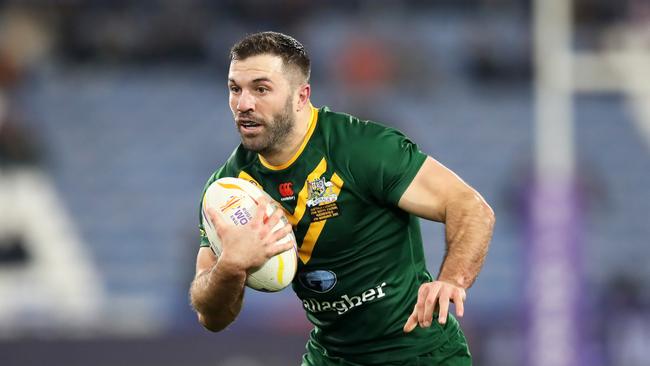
<point x="454" y="352"/>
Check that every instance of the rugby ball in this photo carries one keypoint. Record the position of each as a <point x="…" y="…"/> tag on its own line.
<point x="236" y="201"/>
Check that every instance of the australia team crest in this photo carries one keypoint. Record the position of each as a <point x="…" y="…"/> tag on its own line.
<point x="321" y="199"/>
<point x="320" y="191"/>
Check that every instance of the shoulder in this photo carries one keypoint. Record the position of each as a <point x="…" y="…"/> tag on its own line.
<point x="341" y="128"/>
<point x="239" y="160"/>
<point x="371" y="154"/>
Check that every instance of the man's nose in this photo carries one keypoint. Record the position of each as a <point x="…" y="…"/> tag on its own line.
<point x="246" y="102"/>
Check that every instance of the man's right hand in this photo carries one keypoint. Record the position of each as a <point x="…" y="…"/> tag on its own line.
<point x="248" y="247"/>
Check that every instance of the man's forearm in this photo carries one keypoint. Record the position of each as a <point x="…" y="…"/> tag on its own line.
<point x="217" y="296"/>
<point x="468" y="229"/>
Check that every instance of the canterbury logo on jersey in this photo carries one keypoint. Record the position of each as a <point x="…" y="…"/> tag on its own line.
<point x="286" y="191"/>
<point x="346" y="303"/>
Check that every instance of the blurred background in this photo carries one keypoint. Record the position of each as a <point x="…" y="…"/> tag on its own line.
<point x="114" y="113"/>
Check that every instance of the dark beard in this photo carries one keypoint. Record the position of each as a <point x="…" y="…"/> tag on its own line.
<point x="276" y="132"/>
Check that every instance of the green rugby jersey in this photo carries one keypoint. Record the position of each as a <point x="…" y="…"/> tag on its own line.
<point x="361" y="260"/>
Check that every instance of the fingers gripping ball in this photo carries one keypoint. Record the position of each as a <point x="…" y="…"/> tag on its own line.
<point x="235" y="200"/>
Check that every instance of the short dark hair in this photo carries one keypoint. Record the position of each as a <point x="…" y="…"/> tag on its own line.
<point x="286" y="47"/>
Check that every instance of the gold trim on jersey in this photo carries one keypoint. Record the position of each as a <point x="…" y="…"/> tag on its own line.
<point x="309" y="242"/>
<point x="301" y="201"/>
<point x="310" y="130"/>
<point x="246" y="176"/>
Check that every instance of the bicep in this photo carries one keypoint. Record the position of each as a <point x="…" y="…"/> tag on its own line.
<point x="433" y="187"/>
<point x="205" y="260"/>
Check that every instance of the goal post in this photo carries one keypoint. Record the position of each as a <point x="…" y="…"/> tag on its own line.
<point x="553" y="283"/>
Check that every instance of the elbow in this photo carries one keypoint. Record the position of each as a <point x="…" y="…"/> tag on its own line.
<point x="212" y="325"/>
<point x="483" y="208"/>
<point x="488" y="214"/>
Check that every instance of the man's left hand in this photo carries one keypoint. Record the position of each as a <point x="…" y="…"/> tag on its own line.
<point x="434" y="296"/>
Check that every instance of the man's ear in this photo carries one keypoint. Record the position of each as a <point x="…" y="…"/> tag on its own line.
<point x="304" y="92"/>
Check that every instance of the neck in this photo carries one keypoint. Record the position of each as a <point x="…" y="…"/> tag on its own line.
<point x="293" y="142"/>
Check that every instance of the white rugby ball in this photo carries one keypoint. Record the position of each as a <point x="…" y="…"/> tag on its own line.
<point x="236" y="201"/>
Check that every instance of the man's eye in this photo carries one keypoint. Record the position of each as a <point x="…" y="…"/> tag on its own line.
<point x="234" y="89"/>
<point x="262" y="90"/>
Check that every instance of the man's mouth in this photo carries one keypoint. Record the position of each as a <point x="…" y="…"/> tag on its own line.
<point x="248" y="125"/>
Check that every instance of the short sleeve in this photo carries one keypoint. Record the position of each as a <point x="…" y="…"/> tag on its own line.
<point x="385" y="162"/>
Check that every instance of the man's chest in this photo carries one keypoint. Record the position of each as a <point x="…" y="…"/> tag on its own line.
<point x="321" y="203"/>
